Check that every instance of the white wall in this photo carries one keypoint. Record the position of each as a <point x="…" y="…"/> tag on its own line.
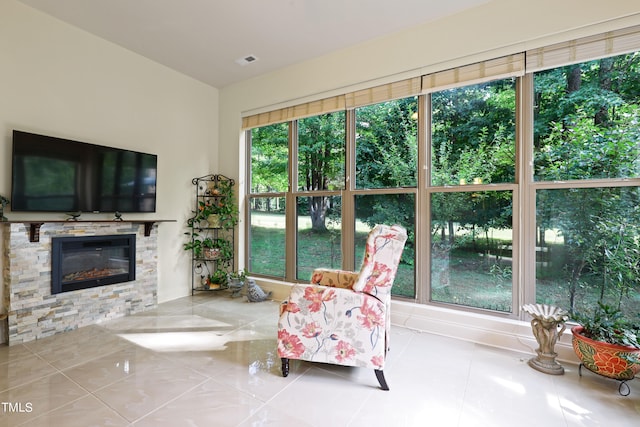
<point x="58" y="80"/>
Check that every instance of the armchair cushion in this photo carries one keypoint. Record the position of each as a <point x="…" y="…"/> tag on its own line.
<point x="334" y="278"/>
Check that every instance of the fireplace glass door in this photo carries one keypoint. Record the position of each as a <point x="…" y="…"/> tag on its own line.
<point x="82" y="262"/>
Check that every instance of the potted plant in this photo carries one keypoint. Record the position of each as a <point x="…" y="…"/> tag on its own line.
<point x="606" y="343"/>
<point x="224" y="205"/>
<point x="217" y="279"/>
<point x="219" y="249"/>
<point x="210" y="248"/>
<point x="217" y="209"/>
<point x="196" y="245"/>
<point x="236" y="280"/>
<point x="206" y="213"/>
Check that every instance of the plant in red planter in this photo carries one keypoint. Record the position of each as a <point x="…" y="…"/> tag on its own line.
<point x="607" y="344"/>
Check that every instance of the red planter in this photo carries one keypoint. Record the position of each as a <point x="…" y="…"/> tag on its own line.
<point x="605" y="359"/>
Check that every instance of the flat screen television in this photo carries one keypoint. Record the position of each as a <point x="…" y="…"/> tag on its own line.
<point x="52" y="174"/>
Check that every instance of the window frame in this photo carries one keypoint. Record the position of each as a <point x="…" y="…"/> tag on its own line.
<point x="524" y="188"/>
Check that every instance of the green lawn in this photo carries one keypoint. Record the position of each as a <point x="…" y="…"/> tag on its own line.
<point x="471" y="279"/>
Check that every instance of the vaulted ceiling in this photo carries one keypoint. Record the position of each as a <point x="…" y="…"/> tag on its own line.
<point x="209" y="40"/>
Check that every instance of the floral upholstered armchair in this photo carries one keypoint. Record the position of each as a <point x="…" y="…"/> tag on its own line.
<point x="343" y="317"/>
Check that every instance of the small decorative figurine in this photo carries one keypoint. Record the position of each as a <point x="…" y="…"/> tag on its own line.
<point x="548" y="324"/>
<point x="255" y="293"/>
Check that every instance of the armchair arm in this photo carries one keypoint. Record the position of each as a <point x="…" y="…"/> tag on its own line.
<point x="333" y="325"/>
<point x="334" y="278"/>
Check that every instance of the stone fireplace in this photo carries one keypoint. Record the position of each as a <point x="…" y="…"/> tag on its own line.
<point x="34" y="311"/>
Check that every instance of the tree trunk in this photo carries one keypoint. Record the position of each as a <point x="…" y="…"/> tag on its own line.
<point x="574" y="79"/>
<point x="317" y="211"/>
<point x="604" y="78"/>
<point x="451" y="232"/>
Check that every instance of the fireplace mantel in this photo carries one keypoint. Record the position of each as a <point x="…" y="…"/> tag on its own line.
<point x="34" y="224"/>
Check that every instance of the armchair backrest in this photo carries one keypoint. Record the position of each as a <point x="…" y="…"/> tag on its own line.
<point x="381" y="259"/>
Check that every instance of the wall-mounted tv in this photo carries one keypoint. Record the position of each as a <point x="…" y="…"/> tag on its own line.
<point x="52" y="174"/>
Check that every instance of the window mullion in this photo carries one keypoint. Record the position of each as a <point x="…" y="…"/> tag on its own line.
<point x="348" y="207"/>
<point x="525" y="238"/>
<point x="291" y="206"/>
<point x="423" y="214"/>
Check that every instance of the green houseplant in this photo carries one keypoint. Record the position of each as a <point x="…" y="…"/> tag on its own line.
<point x="211" y="234"/>
<point x="224" y="204"/>
<point x="606" y="343"/>
<point x="240" y="275"/>
<point x="210" y="248"/>
<point x="236" y="281"/>
<point x="606" y="339"/>
<point x="219" y="249"/>
<point x="218" y="210"/>
<point x="217" y="279"/>
<point x="196" y="245"/>
<point x="607" y="324"/>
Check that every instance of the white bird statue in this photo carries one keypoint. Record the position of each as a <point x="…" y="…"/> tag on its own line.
<point x="255" y="293"/>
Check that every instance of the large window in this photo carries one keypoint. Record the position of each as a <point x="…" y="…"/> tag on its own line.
<point x="587" y="248"/>
<point x="269" y="163"/>
<point x="473" y="144"/>
<point x="587" y="120"/>
<point x="387" y="144"/>
<point x="471" y="249"/>
<point x="473" y="134"/>
<point x="518" y="184"/>
<point x="319" y="245"/>
<point x="586" y="156"/>
<point x="400" y="208"/>
<point x="321" y="164"/>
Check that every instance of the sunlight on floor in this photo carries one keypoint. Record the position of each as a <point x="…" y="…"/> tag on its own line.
<point x="190" y="340"/>
<point x="511" y="385"/>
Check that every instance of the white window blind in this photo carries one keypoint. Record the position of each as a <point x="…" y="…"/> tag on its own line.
<point x="382" y="93"/>
<point x="480" y="72"/>
<point x="585" y="49"/>
<point x="308" y="109"/>
<point x="374" y="95"/>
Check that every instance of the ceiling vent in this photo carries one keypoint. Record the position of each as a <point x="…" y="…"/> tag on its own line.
<point x="247" y="60"/>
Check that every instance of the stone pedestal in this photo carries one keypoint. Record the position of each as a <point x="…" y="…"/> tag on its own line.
<point x="548" y="324"/>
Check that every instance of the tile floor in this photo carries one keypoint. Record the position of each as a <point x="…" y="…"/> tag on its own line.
<point x="210" y="360"/>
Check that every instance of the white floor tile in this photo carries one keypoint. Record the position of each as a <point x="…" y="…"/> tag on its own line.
<point x="211" y="360"/>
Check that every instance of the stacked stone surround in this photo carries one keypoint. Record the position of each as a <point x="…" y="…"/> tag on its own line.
<point x="34" y="313"/>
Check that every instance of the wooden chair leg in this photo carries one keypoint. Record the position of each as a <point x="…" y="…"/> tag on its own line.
<point x="285" y="367"/>
<point x="381" y="380"/>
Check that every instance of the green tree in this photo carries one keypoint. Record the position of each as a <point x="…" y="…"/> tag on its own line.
<point x="321" y="161"/>
<point x="269" y="158"/>
<point x="386" y="144"/>
<point x="473" y="140"/>
<point x="587" y="126"/>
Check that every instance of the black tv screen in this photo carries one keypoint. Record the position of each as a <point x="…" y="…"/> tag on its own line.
<point x="52" y="174"/>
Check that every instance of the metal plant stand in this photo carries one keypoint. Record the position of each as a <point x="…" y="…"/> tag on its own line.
<point x="623" y="388"/>
<point x="548" y="324"/>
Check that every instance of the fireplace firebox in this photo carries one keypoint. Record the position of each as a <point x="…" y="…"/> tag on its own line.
<point x="82" y="262"/>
